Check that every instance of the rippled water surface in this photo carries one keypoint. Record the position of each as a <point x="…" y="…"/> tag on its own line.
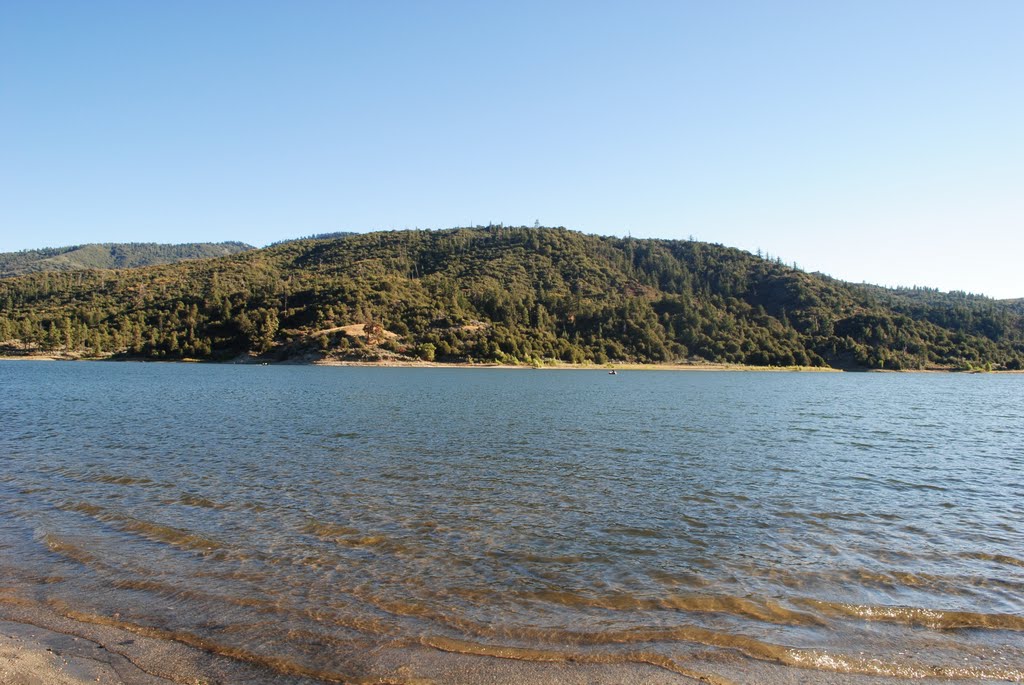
<point x="692" y="524"/>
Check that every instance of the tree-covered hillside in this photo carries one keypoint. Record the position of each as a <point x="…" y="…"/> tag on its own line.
<point x="1016" y="305"/>
<point x="110" y="256"/>
<point x="517" y="295"/>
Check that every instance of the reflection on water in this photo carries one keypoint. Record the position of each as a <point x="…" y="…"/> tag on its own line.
<point x="317" y="519"/>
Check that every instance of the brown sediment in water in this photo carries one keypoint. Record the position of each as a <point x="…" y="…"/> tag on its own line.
<point x="459" y="634"/>
<point x="348" y="536"/>
<point x="524" y="643"/>
<point x="202" y="502"/>
<point x="549" y="655"/>
<point x="996" y="558"/>
<point x="68" y="550"/>
<point x="565" y="648"/>
<point x="146" y="529"/>
<point x="277" y="664"/>
<point x="146" y="655"/>
<point x="363" y="625"/>
<point x="768" y="611"/>
<point x="118" y="480"/>
<point x="329" y="531"/>
<point x="820" y="661"/>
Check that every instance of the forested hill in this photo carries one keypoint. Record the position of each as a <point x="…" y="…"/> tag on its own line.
<point x="110" y="256"/>
<point x="1017" y="305"/>
<point x="515" y="295"/>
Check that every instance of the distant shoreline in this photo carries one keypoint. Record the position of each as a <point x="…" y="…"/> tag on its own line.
<point x="410" y="364"/>
<point x="625" y="366"/>
<point x="573" y="367"/>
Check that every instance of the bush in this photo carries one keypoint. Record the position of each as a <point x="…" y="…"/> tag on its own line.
<point x="426" y="352"/>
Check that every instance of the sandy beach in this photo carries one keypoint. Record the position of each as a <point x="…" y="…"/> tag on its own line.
<point x="68" y="652"/>
<point x="39" y="647"/>
<point x="30" y="655"/>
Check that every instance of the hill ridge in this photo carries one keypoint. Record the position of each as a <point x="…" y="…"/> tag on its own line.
<point x="110" y="256"/>
<point x="504" y="294"/>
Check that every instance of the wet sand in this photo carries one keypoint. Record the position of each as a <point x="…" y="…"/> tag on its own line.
<point x="38" y="647"/>
<point x="41" y="647"/>
<point x="30" y="655"/>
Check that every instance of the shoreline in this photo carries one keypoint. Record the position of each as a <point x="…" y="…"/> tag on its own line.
<point x="559" y="366"/>
<point x="625" y="366"/>
<point x="39" y="646"/>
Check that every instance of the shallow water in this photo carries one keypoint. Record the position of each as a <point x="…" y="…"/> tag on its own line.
<point x="321" y="520"/>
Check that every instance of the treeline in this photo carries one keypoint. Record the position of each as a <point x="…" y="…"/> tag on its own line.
<point x="110" y="256"/>
<point x="315" y="236"/>
<point x="514" y="295"/>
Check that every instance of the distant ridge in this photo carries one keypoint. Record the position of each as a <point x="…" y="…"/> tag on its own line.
<point x="1017" y="304"/>
<point x="333" y="235"/>
<point x="110" y="256"/>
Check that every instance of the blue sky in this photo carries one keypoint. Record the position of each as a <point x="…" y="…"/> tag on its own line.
<point x="875" y="141"/>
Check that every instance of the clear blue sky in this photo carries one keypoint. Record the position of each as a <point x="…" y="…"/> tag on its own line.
<point x="875" y="141"/>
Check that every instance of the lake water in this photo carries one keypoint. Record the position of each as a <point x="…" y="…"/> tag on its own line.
<point x="485" y="525"/>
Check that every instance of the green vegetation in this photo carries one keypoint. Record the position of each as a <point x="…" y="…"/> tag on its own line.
<point x="110" y="256"/>
<point x="501" y="294"/>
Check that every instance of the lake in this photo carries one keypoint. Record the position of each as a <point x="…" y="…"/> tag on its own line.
<point x="486" y="525"/>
